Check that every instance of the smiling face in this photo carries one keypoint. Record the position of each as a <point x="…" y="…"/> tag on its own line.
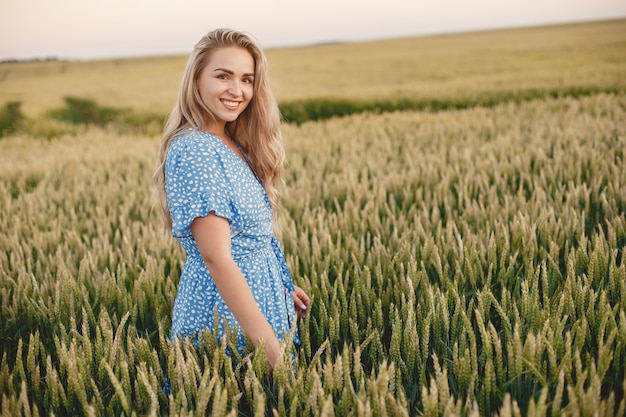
<point x="226" y="85"/>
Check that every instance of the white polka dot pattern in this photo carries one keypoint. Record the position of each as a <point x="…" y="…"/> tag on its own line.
<point x="202" y="175"/>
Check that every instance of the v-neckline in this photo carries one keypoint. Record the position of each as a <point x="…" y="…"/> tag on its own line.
<point x="243" y="157"/>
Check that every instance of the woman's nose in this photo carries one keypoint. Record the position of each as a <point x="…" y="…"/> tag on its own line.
<point x="234" y="88"/>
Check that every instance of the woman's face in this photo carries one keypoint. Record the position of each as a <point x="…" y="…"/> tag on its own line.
<point x="226" y="84"/>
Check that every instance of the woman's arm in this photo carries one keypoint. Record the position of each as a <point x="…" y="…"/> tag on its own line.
<point x="212" y="235"/>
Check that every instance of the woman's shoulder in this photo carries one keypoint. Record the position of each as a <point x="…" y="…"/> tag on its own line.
<point x="195" y="138"/>
<point x="191" y="141"/>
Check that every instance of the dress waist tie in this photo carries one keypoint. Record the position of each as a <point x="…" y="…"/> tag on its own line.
<point x="285" y="275"/>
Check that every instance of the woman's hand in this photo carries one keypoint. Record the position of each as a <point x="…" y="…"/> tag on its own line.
<point x="301" y="301"/>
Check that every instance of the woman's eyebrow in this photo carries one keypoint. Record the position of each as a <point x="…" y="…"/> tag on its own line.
<point x="232" y="72"/>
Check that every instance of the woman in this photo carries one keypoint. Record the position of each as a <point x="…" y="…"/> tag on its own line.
<point x="219" y="165"/>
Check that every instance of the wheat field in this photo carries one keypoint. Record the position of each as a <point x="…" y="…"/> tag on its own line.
<point x="464" y="262"/>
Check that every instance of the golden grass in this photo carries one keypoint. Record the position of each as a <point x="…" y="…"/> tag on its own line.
<point x="455" y="66"/>
<point x="145" y="84"/>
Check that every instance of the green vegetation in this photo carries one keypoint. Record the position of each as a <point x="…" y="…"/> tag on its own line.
<point x="85" y="111"/>
<point x="10" y="118"/>
<point x="320" y="109"/>
<point x="78" y="114"/>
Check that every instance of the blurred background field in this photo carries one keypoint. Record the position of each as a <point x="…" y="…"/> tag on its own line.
<point x="584" y="56"/>
<point x="461" y="228"/>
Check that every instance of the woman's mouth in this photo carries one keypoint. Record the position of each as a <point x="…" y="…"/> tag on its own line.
<point x="231" y="104"/>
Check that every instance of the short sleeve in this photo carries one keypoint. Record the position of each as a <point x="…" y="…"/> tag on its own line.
<point x="196" y="183"/>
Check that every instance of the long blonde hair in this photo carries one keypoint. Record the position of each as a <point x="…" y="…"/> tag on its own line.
<point x="256" y="130"/>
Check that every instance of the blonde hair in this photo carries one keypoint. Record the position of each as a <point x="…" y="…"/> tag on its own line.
<point x="256" y="130"/>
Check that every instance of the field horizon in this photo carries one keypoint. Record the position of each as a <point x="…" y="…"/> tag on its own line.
<point x="459" y="66"/>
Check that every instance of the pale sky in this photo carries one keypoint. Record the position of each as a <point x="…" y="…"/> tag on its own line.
<point x="92" y="29"/>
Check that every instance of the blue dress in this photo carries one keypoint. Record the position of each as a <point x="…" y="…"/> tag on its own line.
<point x="202" y="174"/>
